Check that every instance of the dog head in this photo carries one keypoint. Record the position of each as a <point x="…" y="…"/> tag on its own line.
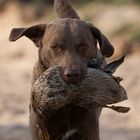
<point x="68" y="42"/>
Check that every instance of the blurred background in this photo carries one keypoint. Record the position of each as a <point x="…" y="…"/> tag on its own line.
<point x="117" y="19"/>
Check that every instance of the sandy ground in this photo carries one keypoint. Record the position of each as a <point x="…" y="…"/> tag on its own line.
<point x="16" y="63"/>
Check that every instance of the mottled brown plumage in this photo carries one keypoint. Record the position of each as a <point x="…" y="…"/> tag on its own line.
<point x="50" y="92"/>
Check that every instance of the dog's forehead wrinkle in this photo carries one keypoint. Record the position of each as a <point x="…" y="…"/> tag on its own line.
<point x="68" y="23"/>
<point x="66" y="32"/>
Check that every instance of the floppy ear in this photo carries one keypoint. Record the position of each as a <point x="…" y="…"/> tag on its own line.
<point x="34" y="33"/>
<point x="105" y="46"/>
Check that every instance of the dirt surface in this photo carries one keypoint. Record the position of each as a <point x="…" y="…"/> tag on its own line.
<point x="16" y="63"/>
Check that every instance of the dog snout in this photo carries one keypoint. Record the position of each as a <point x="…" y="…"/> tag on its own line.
<point x="72" y="74"/>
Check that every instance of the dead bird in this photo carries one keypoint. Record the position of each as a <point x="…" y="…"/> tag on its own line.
<point x="67" y="108"/>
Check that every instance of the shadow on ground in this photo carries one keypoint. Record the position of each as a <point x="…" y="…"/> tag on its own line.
<point x="14" y="132"/>
<point x="20" y="132"/>
<point x="119" y="134"/>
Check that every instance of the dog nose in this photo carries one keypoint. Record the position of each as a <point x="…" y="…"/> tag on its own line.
<point x="72" y="75"/>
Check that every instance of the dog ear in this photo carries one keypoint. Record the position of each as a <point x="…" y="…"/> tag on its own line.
<point x="34" y="33"/>
<point x="105" y="46"/>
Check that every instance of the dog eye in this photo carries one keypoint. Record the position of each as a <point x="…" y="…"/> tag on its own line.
<point x="56" y="48"/>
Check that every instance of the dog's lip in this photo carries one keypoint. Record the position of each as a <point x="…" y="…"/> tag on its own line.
<point x="72" y="81"/>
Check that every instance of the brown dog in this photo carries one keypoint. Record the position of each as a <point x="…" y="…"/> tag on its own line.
<point x="70" y="43"/>
<point x="67" y="42"/>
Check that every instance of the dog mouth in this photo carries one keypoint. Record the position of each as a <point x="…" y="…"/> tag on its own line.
<point x="72" y="80"/>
